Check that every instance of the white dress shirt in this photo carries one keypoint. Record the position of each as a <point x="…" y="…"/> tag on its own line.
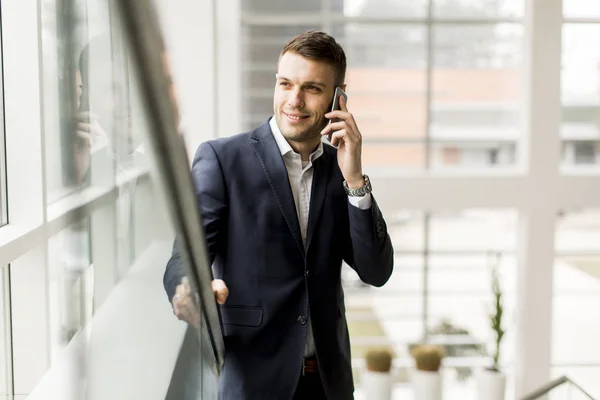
<point x="300" y="174"/>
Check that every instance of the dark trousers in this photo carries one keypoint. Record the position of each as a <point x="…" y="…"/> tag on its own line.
<point x="310" y="388"/>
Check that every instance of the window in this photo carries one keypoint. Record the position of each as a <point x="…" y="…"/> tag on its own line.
<point x="575" y="348"/>
<point x="580" y="130"/>
<point x="3" y="187"/>
<point x="418" y="85"/>
<point x="441" y="286"/>
<point x="87" y="108"/>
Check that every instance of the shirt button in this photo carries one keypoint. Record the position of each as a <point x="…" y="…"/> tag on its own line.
<point x="302" y="320"/>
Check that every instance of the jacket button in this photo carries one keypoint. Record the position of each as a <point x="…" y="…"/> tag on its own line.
<point x="302" y="320"/>
<point x="307" y="274"/>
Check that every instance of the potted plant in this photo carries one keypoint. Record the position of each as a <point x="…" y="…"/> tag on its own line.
<point x="491" y="381"/>
<point x="426" y="378"/>
<point x="377" y="380"/>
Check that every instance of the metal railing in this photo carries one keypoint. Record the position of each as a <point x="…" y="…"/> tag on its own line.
<point x="171" y="166"/>
<point x="552" y="385"/>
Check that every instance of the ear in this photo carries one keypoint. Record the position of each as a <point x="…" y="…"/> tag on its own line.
<point x="343" y="87"/>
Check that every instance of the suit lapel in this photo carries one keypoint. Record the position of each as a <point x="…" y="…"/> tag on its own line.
<point x="268" y="153"/>
<point x="318" y="193"/>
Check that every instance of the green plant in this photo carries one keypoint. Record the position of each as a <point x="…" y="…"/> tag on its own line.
<point x="428" y="357"/>
<point x="379" y="360"/>
<point x="496" y="318"/>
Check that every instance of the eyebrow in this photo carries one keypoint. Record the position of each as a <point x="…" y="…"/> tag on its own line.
<point x="315" y="83"/>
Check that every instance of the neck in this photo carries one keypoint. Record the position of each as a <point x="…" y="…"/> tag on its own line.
<point x="305" y="149"/>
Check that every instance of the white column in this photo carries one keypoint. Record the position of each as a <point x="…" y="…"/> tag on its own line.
<point x="541" y="150"/>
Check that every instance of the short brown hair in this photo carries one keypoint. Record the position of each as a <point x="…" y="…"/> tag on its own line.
<point x="321" y="47"/>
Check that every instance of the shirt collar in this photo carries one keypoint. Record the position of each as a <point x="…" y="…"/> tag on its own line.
<point x="284" y="146"/>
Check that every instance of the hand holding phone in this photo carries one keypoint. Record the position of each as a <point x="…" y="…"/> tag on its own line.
<point x="335" y="106"/>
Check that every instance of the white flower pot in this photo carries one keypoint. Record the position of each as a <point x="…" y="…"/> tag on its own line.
<point x="377" y="385"/>
<point x="491" y="385"/>
<point x="427" y="385"/>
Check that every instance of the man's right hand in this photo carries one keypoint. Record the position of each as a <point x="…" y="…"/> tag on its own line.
<point x="185" y="307"/>
<point x="220" y="290"/>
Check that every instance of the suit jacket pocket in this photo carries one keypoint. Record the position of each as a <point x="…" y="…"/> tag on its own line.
<point x="242" y="315"/>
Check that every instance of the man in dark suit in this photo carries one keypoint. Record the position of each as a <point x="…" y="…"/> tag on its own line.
<point x="281" y="210"/>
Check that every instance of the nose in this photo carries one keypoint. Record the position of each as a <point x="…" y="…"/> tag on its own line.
<point x="295" y="99"/>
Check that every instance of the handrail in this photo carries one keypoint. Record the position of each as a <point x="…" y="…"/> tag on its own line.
<point x="545" y="389"/>
<point x="170" y="164"/>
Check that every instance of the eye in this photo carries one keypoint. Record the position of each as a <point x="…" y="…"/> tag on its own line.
<point x="284" y="84"/>
<point x="314" y="89"/>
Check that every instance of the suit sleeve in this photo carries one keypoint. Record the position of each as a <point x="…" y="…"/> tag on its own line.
<point x="211" y="200"/>
<point x="369" y="248"/>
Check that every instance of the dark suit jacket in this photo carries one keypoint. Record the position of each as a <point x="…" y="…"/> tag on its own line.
<point x="255" y="246"/>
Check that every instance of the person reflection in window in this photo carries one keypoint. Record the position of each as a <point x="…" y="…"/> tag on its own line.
<point x="104" y="118"/>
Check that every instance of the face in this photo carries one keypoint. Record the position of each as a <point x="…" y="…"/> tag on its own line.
<point x="303" y="95"/>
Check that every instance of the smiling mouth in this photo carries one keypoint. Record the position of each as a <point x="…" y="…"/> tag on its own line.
<point x="296" y="117"/>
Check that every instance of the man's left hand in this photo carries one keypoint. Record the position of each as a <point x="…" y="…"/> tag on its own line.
<point x="348" y="140"/>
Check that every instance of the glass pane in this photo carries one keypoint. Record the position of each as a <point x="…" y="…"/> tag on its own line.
<point x="375" y="155"/>
<point x="464" y="249"/>
<point x="89" y="300"/>
<point x="480" y="230"/>
<point x="407" y="231"/>
<point x="475" y="95"/>
<point x="473" y="154"/>
<point x="3" y="186"/>
<point x="581" y="9"/>
<point x="280" y="6"/>
<point x="478" y="9"/>
<point x="576" y="289"/>
<point x="88" y="110"/>
<point x="71" y="283"/>
<point x="580" y="130"/>
<point x="393" y="314"/>
<point x="381" y="8"/>
<point x="387" y="85"/>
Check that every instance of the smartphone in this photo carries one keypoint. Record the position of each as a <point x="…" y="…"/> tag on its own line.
<point x="336" y="106"/>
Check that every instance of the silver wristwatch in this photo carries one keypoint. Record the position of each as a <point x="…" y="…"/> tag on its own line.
<point x="364" y="190"/>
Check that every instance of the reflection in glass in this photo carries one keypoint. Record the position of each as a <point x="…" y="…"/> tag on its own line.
<point x="580" y="129"/>
<point x="89" y="131"/>
<point x="100" y="305"/>
<point x="71" y="282"/>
